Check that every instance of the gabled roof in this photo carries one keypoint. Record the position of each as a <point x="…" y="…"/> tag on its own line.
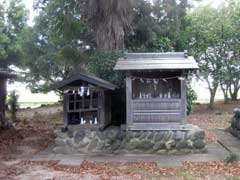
<point x="6" y="73"/>
<point x="156" y="61"/>
<point x="87" y="78"/>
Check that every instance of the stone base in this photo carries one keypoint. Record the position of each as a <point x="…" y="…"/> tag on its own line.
<point x="113" y="139"/>
<point x="235" y="124"/>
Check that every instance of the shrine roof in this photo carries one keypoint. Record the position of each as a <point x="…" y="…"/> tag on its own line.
<point x="87" y="78"/>
<point x="156" y="61"/>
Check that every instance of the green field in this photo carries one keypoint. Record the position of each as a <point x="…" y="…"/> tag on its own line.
<point x="34" y="104"/>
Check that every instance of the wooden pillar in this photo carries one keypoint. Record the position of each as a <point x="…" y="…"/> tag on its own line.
<point x="3" y="93"/>
<point x="129" y="101"/>
<point x="65" y="109"/>
<point x="101" y="109"/>
<point x="183" y="102"/>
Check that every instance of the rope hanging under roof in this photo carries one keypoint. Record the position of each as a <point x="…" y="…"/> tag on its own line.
<point x="79" y="91"/>
<point x="156" y="80"/>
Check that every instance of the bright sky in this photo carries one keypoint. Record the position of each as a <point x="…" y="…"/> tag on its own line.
<point x="29" y="5"/>
<point x="26" y="96"/>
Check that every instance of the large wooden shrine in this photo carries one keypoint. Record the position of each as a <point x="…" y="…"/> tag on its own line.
<point x="87" y="101"/>
<point x="156" y="89"/>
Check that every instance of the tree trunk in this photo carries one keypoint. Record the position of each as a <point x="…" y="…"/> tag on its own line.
<point x="2" y="101"/>
<point x="225" y="93"/>
<point x="234" y="91"/>
<point x="212" y="97"/>
<point x="226" y="99"/>
<point x="212" y="87"/>
<point x="211" y="103"/>
<point x="234" y="95"/>
<point x="110" y="19"/>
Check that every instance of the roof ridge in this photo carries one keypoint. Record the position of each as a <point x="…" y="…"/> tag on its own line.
<point x="85" y="77"/>
<point x="156" y="55"/>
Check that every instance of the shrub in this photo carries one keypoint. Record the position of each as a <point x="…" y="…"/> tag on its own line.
<point x="13" y="103"/>
<point x="232" y="157"/>
<point x="191" y="97"/>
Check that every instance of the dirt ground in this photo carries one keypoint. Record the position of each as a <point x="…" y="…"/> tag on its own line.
<point x="34" y="132"/>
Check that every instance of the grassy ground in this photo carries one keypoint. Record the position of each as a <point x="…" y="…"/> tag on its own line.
<point x="34" y="132"/>
<point x="34" y="104"/>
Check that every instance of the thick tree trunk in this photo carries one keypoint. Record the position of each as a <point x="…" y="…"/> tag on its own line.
<point x="2" y="101"/>
<point x="212" y="97"/>
<point x="110" y="19"/>
<point x="234" y="95"/>
<point x="211" y="103"/>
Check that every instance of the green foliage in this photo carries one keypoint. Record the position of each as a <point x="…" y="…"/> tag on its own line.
<point x="13" y="18"/>
<point x="191" y="97"/>
<point x="102" y="64"/>
<point x="56" y="45"/>
<point x="13" y="103"/>
<point x="157" y="26"/>
<point x="211" y="36"/>
<point x="232" y="157"/>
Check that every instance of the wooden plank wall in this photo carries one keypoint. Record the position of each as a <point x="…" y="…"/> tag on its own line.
<point x="161" y="111"/>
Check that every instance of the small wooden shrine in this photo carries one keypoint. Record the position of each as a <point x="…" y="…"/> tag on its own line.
<point x="156" y="89"/>
<point x="4" y="75"/>
<point x="87" y="101"/>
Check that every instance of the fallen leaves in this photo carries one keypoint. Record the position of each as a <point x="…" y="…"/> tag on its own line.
<point x="219" y="118"/>
<point x="143" y="170"/>
<point x="38" y="134"/>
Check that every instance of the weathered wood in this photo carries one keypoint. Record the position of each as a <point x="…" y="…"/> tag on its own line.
<point x="159" y="126"/>
<point x="183" y="102"/>
<point x="129" y="100"/>
<point x="154" y="55"/>
<point x="108" y="114"/>
<point x="65" y="109"/>
<point x="157" y="104"/>
<point x="155" y="109"/>
<point x="154" y="67"/>
<point x="83" y="126"/>
<point x="101" y="109"/>
<point x="156" y="95"/>
<point x="156" y="117"/>
<point x="97" y="105"/>
<point x="86" y="78"/>
<point x="156" y="61"/>
<point x="84" y="110"/>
